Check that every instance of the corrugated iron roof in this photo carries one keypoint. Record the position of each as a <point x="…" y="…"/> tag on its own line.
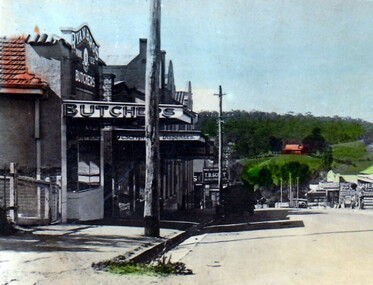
<point x="13" y="67"/>
<point x="179" y="96"/>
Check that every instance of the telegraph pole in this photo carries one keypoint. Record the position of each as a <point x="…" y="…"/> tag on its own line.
<point x="152" y="173"/>
<point x="297" y="192"/>
<point x="290" y="192"/>
<point x="220" y="124"/>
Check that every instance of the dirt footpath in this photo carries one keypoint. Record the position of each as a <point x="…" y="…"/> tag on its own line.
<point x="63" y="254"/>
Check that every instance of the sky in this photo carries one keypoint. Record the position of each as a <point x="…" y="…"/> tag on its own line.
<point x="301" y="56"/>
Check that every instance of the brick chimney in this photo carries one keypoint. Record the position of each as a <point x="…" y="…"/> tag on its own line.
<point x="143" y="44"/>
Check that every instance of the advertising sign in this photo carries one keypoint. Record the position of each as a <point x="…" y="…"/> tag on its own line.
<point x="197" y="177"/>
<point x="162" y="137"/>
<point x="85" y="50"/>
<point x="211" y="175"/>
<point x="116" y="110"/>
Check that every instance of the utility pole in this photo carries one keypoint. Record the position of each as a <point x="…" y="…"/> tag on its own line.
<point x="281" y="191"/>
<point x="297" y="192"/>
<point x="290" y="192"/>
<point x="220" y="125"/>
<point x="152" y="173"/>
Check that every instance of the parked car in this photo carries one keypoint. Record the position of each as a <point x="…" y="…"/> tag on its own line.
<point x="236" y="199"/>
<point x="302" y="203"/>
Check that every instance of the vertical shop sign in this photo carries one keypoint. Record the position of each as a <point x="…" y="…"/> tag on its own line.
<point x="107" y="87"/>
<point x="86" y="57"/>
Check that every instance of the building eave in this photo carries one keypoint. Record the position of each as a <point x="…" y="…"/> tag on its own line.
<point x="31" y="90"/>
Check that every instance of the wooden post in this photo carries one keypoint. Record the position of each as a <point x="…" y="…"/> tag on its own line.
<point x="63" y="193"/>
<point x="220" y="125"/>
<point x="290" y="192"/>
<point x="13" y="171"/>
<point x="152" y="173"/>
<point x="220" y="141"/>
<point x="37" y="138"/>
<point x="106" y="162"/>
<point x="297" y="192"/>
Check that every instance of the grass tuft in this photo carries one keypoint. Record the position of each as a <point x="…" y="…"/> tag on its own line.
<point x="161" y="266"/>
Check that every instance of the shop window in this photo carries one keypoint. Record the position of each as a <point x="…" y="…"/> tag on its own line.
<point x="89" y="166"/>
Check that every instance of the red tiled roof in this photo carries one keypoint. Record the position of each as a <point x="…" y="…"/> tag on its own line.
<point x="13" y="68"/>
<point x="293" y="147"/>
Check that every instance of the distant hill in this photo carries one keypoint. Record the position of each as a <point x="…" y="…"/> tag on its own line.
<point x="349" y="158"/>
<point x="257" y="133"/>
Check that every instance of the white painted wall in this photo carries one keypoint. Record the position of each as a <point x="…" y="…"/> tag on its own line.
<point x="85" y="206"/>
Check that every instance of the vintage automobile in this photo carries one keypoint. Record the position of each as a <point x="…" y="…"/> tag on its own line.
<point x="302" y="203"/>
<point x="236" y="199"/>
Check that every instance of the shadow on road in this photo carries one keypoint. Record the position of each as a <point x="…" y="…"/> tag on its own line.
<point x="73" y="241"/>
<point x="170" y="219"/>
<point x="263" y="219"/>
<point x="77" y="240"/>
<point x="304" y="213"/>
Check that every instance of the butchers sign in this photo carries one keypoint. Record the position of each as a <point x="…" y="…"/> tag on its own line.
<point x="98" y="109"/>
<point x="85" y="49"/>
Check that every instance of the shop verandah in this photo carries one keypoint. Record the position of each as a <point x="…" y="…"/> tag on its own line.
<point x="105" y="166"/>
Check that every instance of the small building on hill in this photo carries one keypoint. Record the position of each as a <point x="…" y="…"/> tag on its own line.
<point x="293" y="149"/>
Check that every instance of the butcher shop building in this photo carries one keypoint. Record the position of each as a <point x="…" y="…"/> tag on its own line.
<point x="72" y="132"/>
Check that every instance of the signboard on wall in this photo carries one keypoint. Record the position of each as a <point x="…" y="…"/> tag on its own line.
<point x="211" y="175"/>
<point x="107" y="87"/>
<point x="116" y="110"/>
<point x="162" y="137"/>
<point x="197" y="177"/>
<point x="85" y="59"/>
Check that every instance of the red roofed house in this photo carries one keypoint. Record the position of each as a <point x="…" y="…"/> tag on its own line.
<point x="21" y="93"/>
<point x="293" y="149"/>
<point x="30" y="136"/>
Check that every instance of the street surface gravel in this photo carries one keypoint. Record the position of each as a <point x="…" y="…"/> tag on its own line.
<point x="276" y="246"/>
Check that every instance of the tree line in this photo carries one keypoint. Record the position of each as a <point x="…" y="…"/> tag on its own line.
<point x="256" y="133"/>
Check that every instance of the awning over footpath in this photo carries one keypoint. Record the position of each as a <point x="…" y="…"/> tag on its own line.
<point x="365" y="178"/>
<point x="182" y="144"/>
<point x="130" y="135"/>
<point x="173" y="144"/>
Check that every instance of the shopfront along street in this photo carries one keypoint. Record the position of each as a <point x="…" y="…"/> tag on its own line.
<point x="105" y="160"/>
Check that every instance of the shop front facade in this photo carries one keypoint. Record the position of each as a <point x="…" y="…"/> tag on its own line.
<point x="83" y="129"/>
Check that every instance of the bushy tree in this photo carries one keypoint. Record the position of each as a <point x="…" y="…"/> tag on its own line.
<point x="327" y="158"/>
<point x="267" y="175"/>
<point x="296" y="170"/>
<point x="275" y="144"/>
<point x="315" y="142"/>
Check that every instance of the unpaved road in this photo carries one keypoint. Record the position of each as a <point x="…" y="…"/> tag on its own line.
<point x="313" y="247"/>
<point x="63" y="254"/>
